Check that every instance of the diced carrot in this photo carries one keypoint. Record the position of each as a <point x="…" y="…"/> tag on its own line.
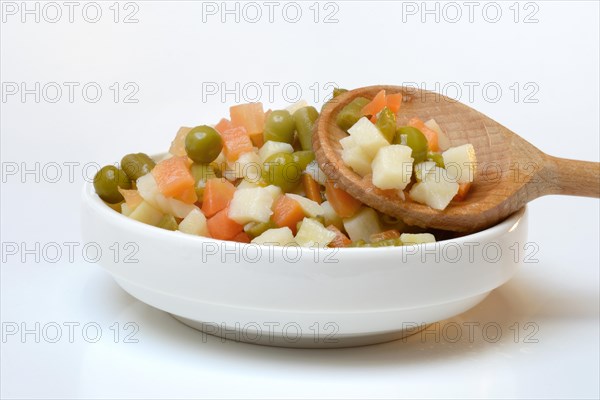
<point x="393" y="102"/>
<point x="218" y="193"/>
<point x="287" y="212"/>
<point x="220" y="226"/>
<point x="375" y="105"/>
<point x="312" y="188"/>
<point x="257" y="139"/>
<point x="430" y="134"/>
<point x="223" y="125"/>
<point x="235" y="143"/>
<point x="389" y="234"/>
<point x="132" y="197"/>
<point x="340" y="240"/>
<point x="188" y="195"/>
<point x="173" y="176"/>
<point x="373" y="118"/>
<point x="251" y="116"/>
<point x="463" y="189"/>
<point x="241" y="237"/>
<point x="342" y="203"/>
<point x="178" y="144"/>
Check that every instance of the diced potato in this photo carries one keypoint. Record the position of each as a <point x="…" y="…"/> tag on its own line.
<point x="392" y="167"/>
<point x="296" y="106"/>
<point x="331" y="217"/>
<point x="362" y="225"/>
<point x="367" y="136"/>
<point x="147" y="214"/>
<point x="244" y="184"/>
<point x="311" y="208"/>
<point x="436" y="190"/>
<point x="423" y="168"/>
<point x="271" y="147"/>
<point x="315" y="172"/>
<point x="461" y="163"/>
<point x="313" y="234"/>
<point x="194" y="223"/>
<point x="354" y="157"/>
<point x="443" y="141"/>
<point x="417" y="238"/>
<point x="247" y="166"/>
<point x="276" y="237"/>
<point x="274" y="191"/>
<point x="148" y="189"/>
<point x="252" y="204"/>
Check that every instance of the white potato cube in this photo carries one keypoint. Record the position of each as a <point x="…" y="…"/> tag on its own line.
<point x="276" y="237"/>
<point x="443" y="141"/>
<point x="315" y="172"/>
<point x="313" y="234"/>
<point x="362" y="224"/>
<point x="434" y="191"/>
<point x="251" y="205"/>
<point x="296" y="106"/>
<point x="392" y="167"/>
<point x="271" y="147"/>
<point x="274" y="191"/>
<point x="244" y="184"/>
<point x="417" y="238"/>
<point x="311" y="208"/>
<point x="147" y="214"/>
<point x="247" y="166"/>
<point x="424" y="168"/>
<point x="331" y="217"/>
<point x="367" y="136"/>
<point x="354" y="156"/>
<point x="194" y="223"/>
<point x="461" y="163"/>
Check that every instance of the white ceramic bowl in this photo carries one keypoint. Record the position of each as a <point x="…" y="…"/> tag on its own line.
<point x="300" y="297"/>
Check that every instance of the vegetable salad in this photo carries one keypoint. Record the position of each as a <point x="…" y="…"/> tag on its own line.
<point x="415" y="158"/>
<point x="253" y="178"/>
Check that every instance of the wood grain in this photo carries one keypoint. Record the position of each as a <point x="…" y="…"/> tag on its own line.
<point x="510" y="170"/>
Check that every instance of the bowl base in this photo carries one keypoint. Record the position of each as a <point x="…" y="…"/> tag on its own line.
<point x="302" y="342"/>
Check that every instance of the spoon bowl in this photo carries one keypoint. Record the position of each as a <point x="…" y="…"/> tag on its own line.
<point x="510" y="170"/>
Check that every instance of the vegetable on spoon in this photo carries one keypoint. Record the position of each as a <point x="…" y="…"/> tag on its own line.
<point x="509" y="173"/>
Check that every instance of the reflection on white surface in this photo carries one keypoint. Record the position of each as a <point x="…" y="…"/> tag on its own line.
<point x="172" y="359"/>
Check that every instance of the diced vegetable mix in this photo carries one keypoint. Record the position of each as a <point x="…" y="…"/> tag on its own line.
<point x="415" y="159"/>
<point x="253" y="178"/>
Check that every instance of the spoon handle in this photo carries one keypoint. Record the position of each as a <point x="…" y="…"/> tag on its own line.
<point x="572" y="177"/>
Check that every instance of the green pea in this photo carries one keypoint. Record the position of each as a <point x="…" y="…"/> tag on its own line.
<point x="281" y="170"/>
<point x="338" y="91"/>
<point x="279" y="127"/>
<point x="305" y="120"/>
<point x="259" y="228"/>
<point x="168" y="222"/>
<point x="303" y="158"/>
<point x="386" y="123"/>
<point x="203" y="144"/>
<point x="437" y="158"/>
<point x="414" y="139"/>
<point x="351" y="113"/>
<point x="108" y="181"/>
<point x="136" y="165"/>
<point x="202" y="173"/>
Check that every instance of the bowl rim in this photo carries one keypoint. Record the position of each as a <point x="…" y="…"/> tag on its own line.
<point x="91" y="199"/>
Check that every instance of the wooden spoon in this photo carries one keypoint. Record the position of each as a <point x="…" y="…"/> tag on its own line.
<point x="510" y="171"/>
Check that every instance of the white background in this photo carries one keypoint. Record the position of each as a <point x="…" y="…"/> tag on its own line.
<point x="173" y="54"/>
